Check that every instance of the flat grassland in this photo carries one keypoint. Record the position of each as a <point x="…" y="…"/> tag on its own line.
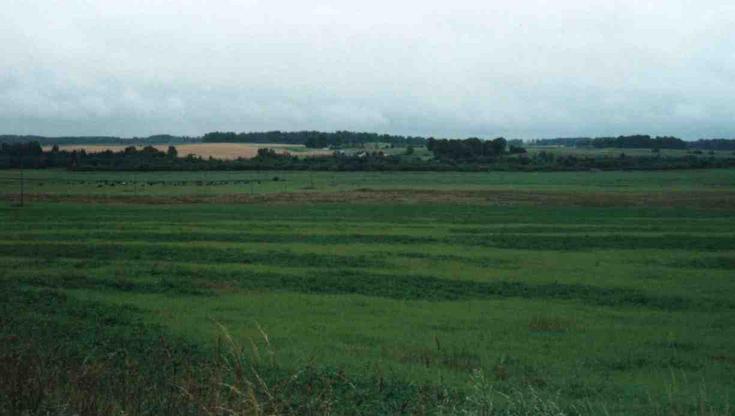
<point x="531" y="293"/>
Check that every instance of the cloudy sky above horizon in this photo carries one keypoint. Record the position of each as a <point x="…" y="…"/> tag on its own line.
<point x="524" y="68"/>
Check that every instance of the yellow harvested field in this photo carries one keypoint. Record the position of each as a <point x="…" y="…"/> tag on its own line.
<point x="205" y="150"/>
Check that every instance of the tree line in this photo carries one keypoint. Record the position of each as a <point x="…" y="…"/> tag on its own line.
<point x="493" y="156"/>
<point x="157" y="139"/>
<point x="713" y="144"/>
<point x="338" y="139"/>
<point x="638" y="141"/>
<point x="313" y="139"/>
<point x="472" y="149"/>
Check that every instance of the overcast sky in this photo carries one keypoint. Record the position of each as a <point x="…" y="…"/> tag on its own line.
<point x="427" y="67"/>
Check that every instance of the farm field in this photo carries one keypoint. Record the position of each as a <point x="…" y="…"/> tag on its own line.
<point x="118" y="185"/>
<point x="374" y="293"/>
<point x="226" y="151"/>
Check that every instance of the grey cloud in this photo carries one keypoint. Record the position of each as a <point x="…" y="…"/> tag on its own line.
<point x="468" y="67"/>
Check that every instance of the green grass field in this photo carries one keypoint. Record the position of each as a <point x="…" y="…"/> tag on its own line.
<point x="201" y="182"/>
<point x="567" y="293"/>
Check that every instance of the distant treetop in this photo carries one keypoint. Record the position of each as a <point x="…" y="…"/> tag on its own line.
<point x="313" y="139"/>
<point x="108" y="140"/>
<point x="638" y="141"/>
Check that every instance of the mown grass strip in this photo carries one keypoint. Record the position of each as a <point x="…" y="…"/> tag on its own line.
<point x="585" y="242"/>
<point x="132" y="252"/>
<point x="412" y="287"/>
<point x="401" y="287"/>
<point x="576" y="229"/>
<point x="716" y="262"/>
<point x="508" y="240"/>
<point x="226" y="237"/>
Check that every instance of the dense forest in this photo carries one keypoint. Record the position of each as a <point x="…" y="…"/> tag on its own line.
<point x="313" y="139"/>
<point x="472" y="149"/>
<point x="492" y="156"/>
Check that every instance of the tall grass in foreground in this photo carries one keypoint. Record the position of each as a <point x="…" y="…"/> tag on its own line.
<point x="230" y="380"/>
<point x="485" y="400"/>
<point x="246" y="380"/>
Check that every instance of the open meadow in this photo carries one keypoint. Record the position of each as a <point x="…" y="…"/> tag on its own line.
<point x="368" y="293"/>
